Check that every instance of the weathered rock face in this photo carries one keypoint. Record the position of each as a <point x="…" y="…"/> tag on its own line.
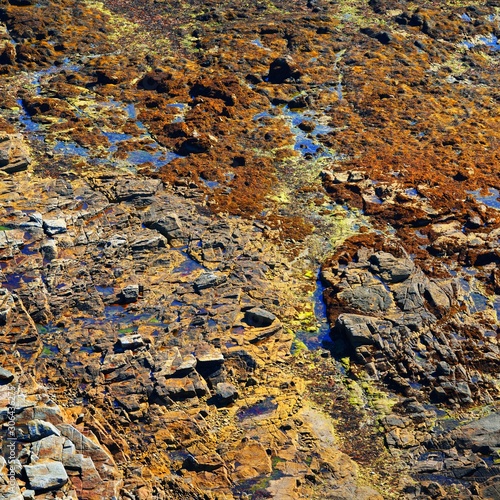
<point x="131" y="285"/>
<point x="13" y="153"/>
<point x="404" y="329"/>
<point x="51" y="454"/>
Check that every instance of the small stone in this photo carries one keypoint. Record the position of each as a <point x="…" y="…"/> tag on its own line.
<point x="131" y="341"/>
<point x="6" y="375"/>
<point x="54" y="226"/>
<point x="225" y="393"/>
<point x="259" y="317"/>
<point x="129" y="294"/>
<point x="49" y="250"/>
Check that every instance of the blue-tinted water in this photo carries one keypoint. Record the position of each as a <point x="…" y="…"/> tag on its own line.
<point x="492" y="42"/>
<point x="115" y="137"/>
<point x="70" y="148"/>
<point x="490" y="200"/>
<point x="158" y="158"/>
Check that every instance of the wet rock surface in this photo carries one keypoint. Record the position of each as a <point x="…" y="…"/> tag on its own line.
<point x="249" y="251"/>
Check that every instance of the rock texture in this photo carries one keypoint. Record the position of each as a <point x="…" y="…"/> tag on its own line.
<point x="249" y="250"/>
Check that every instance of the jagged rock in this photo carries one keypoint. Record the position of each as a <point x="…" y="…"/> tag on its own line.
<point x="481" y="435"/>
<point x="129" y="294"/>
<point x="226" y="393"/>
<point x="35" y="221"/>
<point x="50" y="447"/>
<point x="259" y="317"/>
<point x="358" y="329"/>
<point x="179" y="389"/>
<point x="168" y="224"/>
<point x="49" y="249"/>
<point x="390" y="268"/>
<point x="129" y="189"/>
<point x="148" y="242"/>
<point x="13" y="153"/>
<point x="208" y="280"/>
<point x="36" y="429"/>
<point x="282" y="69"/>
<point x="131" y="341"/>
<point x="6" y="375"/>
<point x="54" y="226"/>
<point x="46" y="476"/>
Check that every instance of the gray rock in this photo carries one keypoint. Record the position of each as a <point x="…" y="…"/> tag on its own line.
<point x="54" y="226"/>
<point x="367" y="298"/>
<point x="148" y="243"/>
<point x="480" y="434"/>
<point x="443" y="368"/>
<point x="35" y="221"/>
<point x="129" y="189"/>
<point x="208" y="280"/>
<point x="226" y="393"/>
<point x="168" y="225"/>
<point x="131" y="341"/>
<point x="6" y="375"/>
<point x="46" y="476"/>
<point x="35" y="430"/>
<point x="390" y="268"/>
<point x="355" y="328"/>
<point x="259" y="317"/>
<point x="129" y="294"/>
<point x="49" y="249"/>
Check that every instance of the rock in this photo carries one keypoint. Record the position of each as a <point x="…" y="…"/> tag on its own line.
<point x="282" y="69"/>
<point x="443" y="368"/>
<point x="131" y="341"/>
<point x="54" y="226"/>
<point x="35" y="221"/>
<point x="50" y="447"/>
<point x="367" y="298"/>
<point x="259" y="317"/>
<point x="208" y="280"/>
<point x="46" y="476"/>
<point x="382" y="36"/>
<point x="179" y="389"/>
<point x="130" y="189"/>
<point x="226" y="393"/>
<point x="357" y="329"/>
<point x="390" y="268"/>
<point x="129" y="294"/>
<point x="13" y="153"/>
<point x="482" y="435"/>
<point x="49" y="249"/>
<point x="6" y="375"/>
<point x="194" y="145"/>
<point x="147" y="242"/>
<point x="35" y="430"/>
<point x="167" y="224"/>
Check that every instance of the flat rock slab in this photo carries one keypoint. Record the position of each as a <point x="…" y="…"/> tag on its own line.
<point x="13" y="153"/>
<point x="46" y="476"/>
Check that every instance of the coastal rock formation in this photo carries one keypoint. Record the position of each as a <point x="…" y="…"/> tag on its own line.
<point x="249" y="250"/>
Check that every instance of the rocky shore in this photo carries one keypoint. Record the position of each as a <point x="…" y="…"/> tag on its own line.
<point x="249" y="250"/>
